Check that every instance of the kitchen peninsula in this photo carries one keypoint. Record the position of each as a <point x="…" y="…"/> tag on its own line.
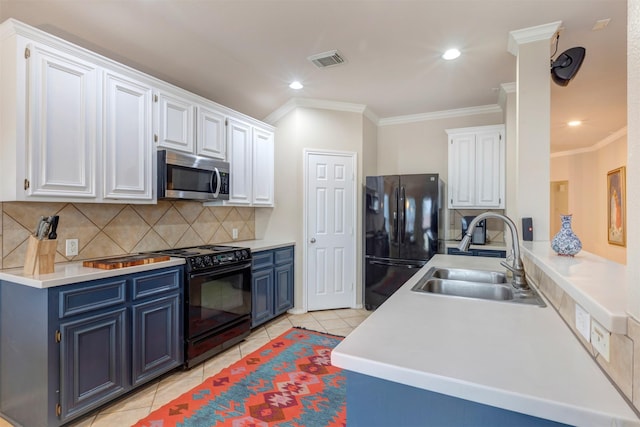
<point x="456" y="360"/>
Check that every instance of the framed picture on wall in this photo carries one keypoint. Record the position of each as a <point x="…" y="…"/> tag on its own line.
<point x="616" y="218"/>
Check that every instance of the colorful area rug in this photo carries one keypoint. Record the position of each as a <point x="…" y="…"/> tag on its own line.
<point x="287" y="382"/>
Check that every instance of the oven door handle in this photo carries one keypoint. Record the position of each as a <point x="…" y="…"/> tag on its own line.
<point x="223" y="270"/>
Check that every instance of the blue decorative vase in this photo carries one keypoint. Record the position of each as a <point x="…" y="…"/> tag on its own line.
<point x="566" y="242"/>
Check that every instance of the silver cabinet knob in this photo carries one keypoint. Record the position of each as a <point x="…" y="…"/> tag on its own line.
<point x="313" y="240"/>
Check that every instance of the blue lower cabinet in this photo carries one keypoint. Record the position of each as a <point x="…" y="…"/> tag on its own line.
<point x="67" y="350"/>
<point x="374" y="402"/>
<point x="261" y="296"/>
<point x="272" y="284"/>
<point x="494" y="253"/>
<point x="94" y="361"/>
<point x="157" y="338"/>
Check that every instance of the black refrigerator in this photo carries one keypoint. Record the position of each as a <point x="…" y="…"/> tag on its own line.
<point x="401" y="222"/>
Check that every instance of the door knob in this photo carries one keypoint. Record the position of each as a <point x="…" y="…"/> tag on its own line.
<point x="313" y="240"/>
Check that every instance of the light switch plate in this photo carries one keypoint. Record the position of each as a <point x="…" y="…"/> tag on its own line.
<point x="234" y="233"/>
<point x="583" y="323"/>
<point x="600" y="338"/>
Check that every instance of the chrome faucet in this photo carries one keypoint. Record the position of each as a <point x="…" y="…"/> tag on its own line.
<point x="517" y="268"/>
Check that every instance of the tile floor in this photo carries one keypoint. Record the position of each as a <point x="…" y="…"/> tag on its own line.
<point x="131" y="408"/>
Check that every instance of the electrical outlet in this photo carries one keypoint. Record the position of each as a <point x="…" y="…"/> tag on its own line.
<point x="234" y="233"/>
<point x="71" y="247"/>
<point x="583" y="323"/>
<point x="600" y="338"/>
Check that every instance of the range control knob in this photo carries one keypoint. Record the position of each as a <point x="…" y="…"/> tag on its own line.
<point x="208" y="261"/>
<point x="245" y="254"/>
<point x="199" y="262"/>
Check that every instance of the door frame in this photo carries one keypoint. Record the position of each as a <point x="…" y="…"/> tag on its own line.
<point x="307" y="153"/>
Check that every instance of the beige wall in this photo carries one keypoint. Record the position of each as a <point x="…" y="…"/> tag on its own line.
<point x="587" y="176"/>
<point x="318" y="129"/>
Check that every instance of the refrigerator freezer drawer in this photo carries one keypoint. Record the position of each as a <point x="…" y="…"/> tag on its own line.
<point x="385" y="276"/>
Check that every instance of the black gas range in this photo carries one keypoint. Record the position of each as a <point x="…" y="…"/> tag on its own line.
<point x="217" y="298"/>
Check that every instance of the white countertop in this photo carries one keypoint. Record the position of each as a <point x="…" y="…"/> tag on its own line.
<point x="263" y="245"/>
<point x="74" y="272"/>
<point x="517" y="357"/>
<point x="600" y="286"/>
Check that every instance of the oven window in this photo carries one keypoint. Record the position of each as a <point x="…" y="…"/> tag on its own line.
<point x="216" y="301"/>
<point x="181" y="178"/>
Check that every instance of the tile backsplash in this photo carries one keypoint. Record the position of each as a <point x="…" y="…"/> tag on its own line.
<point x="495" y="227"/>
<point x="105" y="230"/>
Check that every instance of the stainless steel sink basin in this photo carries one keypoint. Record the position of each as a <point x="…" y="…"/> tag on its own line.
<point x="462" y="288"/>
<point x="468" y="275"/>
<point x="479" y="284"/>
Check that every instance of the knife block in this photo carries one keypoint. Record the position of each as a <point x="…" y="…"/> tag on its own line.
<point x="40" y="256"/>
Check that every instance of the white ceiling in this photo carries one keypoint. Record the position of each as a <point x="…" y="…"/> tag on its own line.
<point x="243" y="53"/>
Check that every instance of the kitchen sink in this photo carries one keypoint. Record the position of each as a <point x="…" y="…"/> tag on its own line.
<point x="463" y="288"/>
<point x="468" y="275"/>
<point x="479" y="284"/>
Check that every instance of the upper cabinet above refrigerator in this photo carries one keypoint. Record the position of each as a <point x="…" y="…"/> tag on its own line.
<point x="476" y="168"/>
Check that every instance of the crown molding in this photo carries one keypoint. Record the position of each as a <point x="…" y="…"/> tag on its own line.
<point x="595" y="147"/>
<point x="323" y="104"/>
<point x="505" y="90"/>
<point x="531" y="34"/>
<point x="445" y="114"/>
<point x="294" y="103"/>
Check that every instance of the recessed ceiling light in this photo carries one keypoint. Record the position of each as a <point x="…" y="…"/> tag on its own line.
<point x="296" y="85"/>
<point x="574" y="123"/>
<point x="451" y="54"/>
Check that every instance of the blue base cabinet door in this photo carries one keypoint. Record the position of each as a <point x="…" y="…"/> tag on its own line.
<point x="94" y="363"/>
<point x="156" y="346"/>
<point x="261" y="296"/>
<point x="272" y="284"/>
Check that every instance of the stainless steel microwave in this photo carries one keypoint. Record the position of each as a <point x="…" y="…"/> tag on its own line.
<point x="190" y="177"/>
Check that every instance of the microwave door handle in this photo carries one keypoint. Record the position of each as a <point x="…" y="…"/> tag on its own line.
<point x="218" y="183"/>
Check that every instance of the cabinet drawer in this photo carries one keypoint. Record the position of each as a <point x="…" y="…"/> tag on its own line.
<point x="92" y="296"/>
<point x="262" y="259"/>
<point x="156" y="282"/>
<point x="284" y="255"/>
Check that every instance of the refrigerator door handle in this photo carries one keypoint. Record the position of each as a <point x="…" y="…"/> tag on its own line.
<point x="393" y="264"/>
<point x="394" y="231"/>
<point x="403" y="214"/>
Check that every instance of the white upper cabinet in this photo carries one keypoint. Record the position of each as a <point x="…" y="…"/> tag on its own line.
<point x="79" y="127"/>
<point x="263" y="167"/>
<point x="210" y="133"/>
<point x="128" y="147"/>
<point x="476" y="167"/>
<point x="251" y="154"/>
<point x="62" y="124"/>
<point x="240" y="155"/>
<point x="175" y="121"/>
<point x="186" y="123"/>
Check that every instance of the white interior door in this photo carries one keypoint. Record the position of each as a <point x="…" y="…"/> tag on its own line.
<point x="330" y="230"/>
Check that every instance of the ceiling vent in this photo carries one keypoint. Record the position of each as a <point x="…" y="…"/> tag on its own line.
<point x="327" y="59"/>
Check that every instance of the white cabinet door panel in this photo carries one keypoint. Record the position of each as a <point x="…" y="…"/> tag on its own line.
<point x="175" y="122"/>
<point x="128" y="148"/>
<point x="62" y="124"/>
<point x="210" y="134"/>
<point x="240" y="153"/>
<point x="462" y="163"/>
<point x="263" y="167"/>
<point x="488" y="169"/>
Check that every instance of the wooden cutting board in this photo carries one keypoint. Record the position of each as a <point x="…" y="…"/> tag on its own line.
<point x="125" y="261"/>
